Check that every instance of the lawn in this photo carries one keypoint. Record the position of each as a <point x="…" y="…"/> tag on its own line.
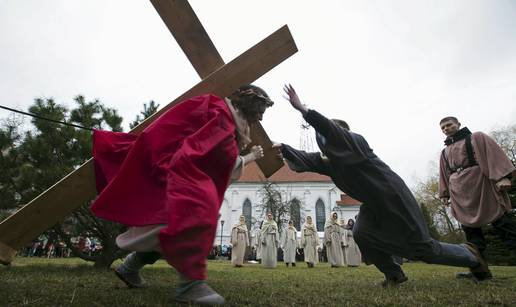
<point x="72" y="282"/>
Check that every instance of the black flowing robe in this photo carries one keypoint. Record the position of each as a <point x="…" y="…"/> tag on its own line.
<point x="390" y="219"/>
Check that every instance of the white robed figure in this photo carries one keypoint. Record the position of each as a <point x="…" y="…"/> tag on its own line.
<point x="239" y="241"/>
<point x="310" y="242"/>
<point x="270" y="242"/>
<point x="290" y="245"/>
<point x="352" y="252"/>
<point x="344" y="229"/>
<point x="333" y="241"/>
<point x="257" y="242"/>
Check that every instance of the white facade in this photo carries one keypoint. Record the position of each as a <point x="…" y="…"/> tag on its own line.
<point x="308" y="193"/>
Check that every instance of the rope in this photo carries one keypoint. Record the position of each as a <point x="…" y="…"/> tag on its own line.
<point x="47" y="119"/>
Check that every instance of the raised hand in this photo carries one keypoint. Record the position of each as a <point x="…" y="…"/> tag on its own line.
<point x="294" y="99"/>
<point x="503" y="185"/>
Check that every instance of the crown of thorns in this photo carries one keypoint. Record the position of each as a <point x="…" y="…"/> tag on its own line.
<point x="253" y="94"/>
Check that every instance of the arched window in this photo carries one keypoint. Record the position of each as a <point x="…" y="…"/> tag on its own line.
<point x="320" y="215"/>
<point x="295" y="213"/>
<point x="247" y="211"/>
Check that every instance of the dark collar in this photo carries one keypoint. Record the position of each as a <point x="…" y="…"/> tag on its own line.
<point x="460" y="135"/>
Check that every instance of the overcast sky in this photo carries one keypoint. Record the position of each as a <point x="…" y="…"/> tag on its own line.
<point x="391" y="69"/>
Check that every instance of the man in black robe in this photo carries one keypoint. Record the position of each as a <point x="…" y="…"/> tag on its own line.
<point x="390" y="222"/>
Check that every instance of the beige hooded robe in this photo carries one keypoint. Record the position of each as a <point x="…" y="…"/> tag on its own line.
<point x="333" y="241"/>
<point x="290" y="245"/>
<point x="310" y="242"/>
<point x="270" y="242"/>
<point x="239" y="240"/>
<point x="351" y="251"/>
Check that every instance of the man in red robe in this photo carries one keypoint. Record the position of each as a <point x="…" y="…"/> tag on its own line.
<point x="168" y="183"/>
<point x="475" y="175"/>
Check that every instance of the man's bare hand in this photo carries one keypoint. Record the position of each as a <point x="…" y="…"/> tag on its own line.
<point x="503" y="185"/>
<point x="257" y="152"/>
<point x="294" y="99"/>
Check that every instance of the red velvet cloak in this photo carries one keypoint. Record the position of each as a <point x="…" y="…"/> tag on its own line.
<point x="175" y="172"/>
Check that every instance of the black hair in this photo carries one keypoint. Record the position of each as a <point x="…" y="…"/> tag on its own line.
<point x="447" y="118"/>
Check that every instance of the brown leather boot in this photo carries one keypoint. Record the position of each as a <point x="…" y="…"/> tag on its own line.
<point x="480" y="272"/>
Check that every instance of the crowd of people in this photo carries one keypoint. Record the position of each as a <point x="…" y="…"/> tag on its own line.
<point x="52" y="248"/>
<point x="337" y="247"/>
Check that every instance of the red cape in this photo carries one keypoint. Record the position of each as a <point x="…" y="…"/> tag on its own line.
<point x="175" y="172"/>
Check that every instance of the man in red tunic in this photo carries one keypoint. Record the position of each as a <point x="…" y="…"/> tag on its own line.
<point x="168" y="183"/>
<point x="475" y="175"/>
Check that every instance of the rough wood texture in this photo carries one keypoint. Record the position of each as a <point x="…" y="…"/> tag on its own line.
<point x="270" y="163"/>
<point x="78" y="187"/>
<point x="189" y="33"/>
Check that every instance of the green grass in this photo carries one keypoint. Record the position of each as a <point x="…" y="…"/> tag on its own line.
<point x="73" y="282"/>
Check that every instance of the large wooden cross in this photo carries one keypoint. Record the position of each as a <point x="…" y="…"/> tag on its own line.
<point x="219" y="78"/>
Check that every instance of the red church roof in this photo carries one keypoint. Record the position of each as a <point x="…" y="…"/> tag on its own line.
<point x="346" y="200"/>
<point x="252" y="173"/>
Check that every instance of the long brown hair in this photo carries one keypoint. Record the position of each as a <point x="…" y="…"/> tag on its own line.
<point x="251" y="100"/>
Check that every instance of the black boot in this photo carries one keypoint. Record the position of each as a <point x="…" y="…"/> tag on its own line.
<point x="394" y="281"/>
<point x="286" y="264"/>
<point x="293" y="264"/>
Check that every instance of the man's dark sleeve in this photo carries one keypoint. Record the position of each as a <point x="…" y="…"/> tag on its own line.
<point x="320" y="123"/>
<point x="302" y="161"/>
<point x="347" y="146"/>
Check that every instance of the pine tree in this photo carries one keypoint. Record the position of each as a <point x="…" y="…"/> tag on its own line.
<point x="10" y="164"/>
<point x="48" y="152"/>
<point x="147" y="112"/>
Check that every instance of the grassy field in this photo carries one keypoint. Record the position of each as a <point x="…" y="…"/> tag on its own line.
<point x="72" y="282"/>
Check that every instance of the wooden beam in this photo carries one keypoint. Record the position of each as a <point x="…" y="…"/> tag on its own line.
<point x="189" y="33"/>
<point x="270" y="163"/>
<point x="78" y="187"/>
<point x="191" y="36"/>
<point x="241" y="71"/>
<point x="246" y="68"/>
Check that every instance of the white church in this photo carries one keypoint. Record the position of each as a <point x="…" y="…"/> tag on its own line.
<point x="317" y="196"/>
